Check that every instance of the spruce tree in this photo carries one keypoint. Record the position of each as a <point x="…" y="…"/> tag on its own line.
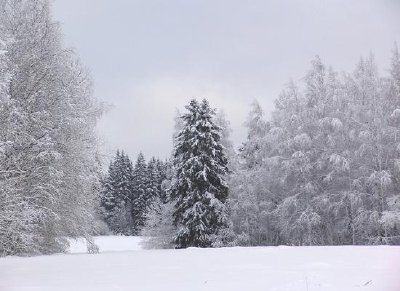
<point x="117" y="194"/>
<point x="200" y="189"/>
<point x="154" y="175"/>
<point x="141" y="193"/>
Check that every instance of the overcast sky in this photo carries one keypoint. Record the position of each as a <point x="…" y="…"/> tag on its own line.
<point x="148" y="58"/>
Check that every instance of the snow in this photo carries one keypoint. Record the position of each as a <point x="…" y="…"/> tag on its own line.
<point x="123" y="265"/>
<point x="108" y="244"/>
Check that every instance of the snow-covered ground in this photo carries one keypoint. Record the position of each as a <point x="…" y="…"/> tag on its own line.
<point x="109" y="244"/>
<point x="122" y="265"/>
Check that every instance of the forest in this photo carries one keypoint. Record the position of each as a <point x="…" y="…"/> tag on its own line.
<point x="322" y="169"/>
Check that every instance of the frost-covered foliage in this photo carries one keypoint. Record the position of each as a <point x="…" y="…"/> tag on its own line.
<point x="324" y="169"/>
<point x="199" y="187"/>
<point x="250" y="209"/>
<point x="48" y="147"/>
<point x="160" y="228"/>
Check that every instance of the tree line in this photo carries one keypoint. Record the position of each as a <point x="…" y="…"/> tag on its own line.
<point x="322" y="170"/>
<point x="128" y="192"/>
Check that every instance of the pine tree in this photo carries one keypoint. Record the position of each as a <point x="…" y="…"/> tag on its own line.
<point x="200" y="189"/>
<point x="154" y="177"/>
<point x="117" y="192"/>
<point x="141" y="193"/>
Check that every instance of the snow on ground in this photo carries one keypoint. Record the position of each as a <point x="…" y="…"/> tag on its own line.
<point x="263" y="268"/>
<point x="108" y="244"/>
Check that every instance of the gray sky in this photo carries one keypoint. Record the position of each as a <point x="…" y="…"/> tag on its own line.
<point x="149" y="57"/>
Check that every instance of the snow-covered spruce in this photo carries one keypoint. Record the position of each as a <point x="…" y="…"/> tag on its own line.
<point x="142" y="193"/>
<point x="116" y="196"/>
<point x="200" y="189"/>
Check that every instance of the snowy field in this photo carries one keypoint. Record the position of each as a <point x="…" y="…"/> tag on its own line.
<point x="109" y="244"/>
<point x="123" y="265"/>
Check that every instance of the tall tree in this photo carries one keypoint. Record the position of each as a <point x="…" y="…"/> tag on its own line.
<point x="200" y="188"/>
<point x="117" y="189"/>
<point x="141" y="193"/>
<point x="49" y="147"/>
<point x="250" y="209"/>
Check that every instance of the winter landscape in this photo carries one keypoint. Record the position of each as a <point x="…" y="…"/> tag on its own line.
<point x="197" y="151"/>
